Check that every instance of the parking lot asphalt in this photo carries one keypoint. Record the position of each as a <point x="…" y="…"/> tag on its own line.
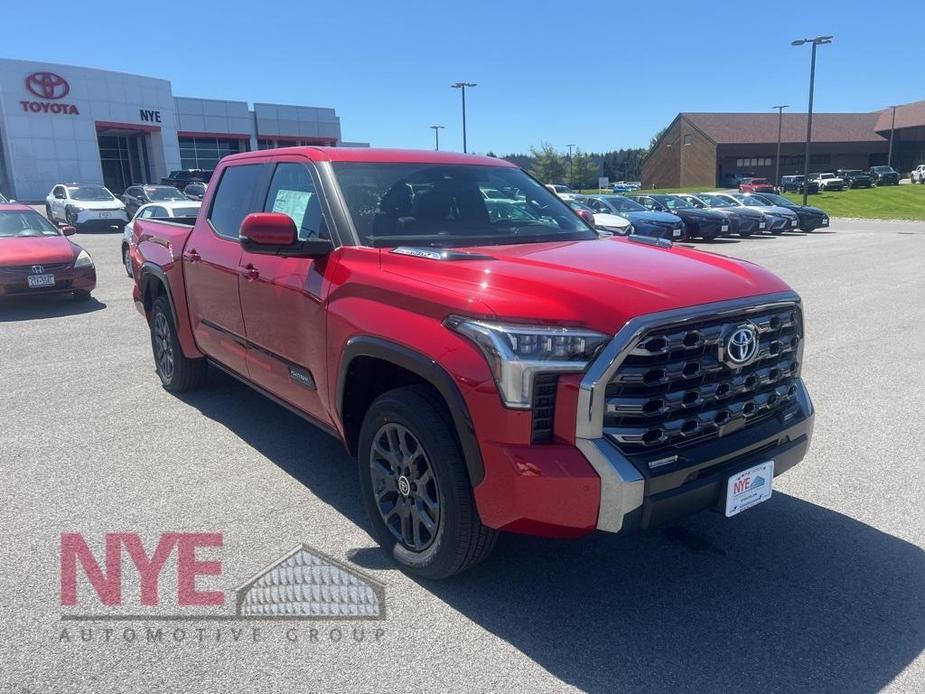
<point x="820" y="589"/>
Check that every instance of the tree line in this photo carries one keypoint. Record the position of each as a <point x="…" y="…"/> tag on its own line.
<point x="582" y="169"/>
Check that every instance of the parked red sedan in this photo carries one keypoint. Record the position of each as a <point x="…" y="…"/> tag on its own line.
<point x="38" y="258"/>
<point x="756" y="185"/>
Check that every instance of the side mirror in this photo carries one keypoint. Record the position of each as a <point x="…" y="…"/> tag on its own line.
<point x="68" y="230"/>
<point x="274" y="233"/>
<point x="587" y="216"/>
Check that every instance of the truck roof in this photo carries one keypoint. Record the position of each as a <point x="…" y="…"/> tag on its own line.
<point x="377" y="155"/>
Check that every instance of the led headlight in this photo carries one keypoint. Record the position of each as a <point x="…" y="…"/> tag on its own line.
<point x="516" y="352"/>
<point x="83" y="260"/>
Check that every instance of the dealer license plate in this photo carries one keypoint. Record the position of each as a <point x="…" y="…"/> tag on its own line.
<point x="676" y="233"/>
<point x="104" y="215"/>
<point x="761" y="225"/>
<point x="749" y="488"/>
<point x="825" y="221"/>
<point x="37" y="281"/>
<point x="724" y="227"/>
<point x="793" y="222"/>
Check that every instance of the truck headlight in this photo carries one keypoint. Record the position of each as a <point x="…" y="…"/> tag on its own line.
<point x="83" y="260"/>
<point x="516" y="352"/>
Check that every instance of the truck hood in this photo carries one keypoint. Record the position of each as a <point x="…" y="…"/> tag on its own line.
<point x="598" y="284"/>
<point x="28" y="250"/>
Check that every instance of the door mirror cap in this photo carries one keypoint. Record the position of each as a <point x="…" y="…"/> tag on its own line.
<point x="68" y="230"/>
<point x="587" y="216"/>
<point x="274" y="233"/>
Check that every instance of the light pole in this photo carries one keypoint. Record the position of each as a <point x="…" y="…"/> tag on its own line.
<point x="436" y="129"/>
<point x="818" y="41"/>
<point x="571" y="168"/>
<point x="780" y="125"/>
<point x="462" y="87"/>
<point x="889" y="156"/>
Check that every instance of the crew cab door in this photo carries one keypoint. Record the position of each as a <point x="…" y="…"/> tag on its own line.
<point x="211" y="263"/>
<point x="282" y="299"/>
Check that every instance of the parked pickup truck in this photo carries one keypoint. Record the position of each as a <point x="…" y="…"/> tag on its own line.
<point x="518" y="374"/>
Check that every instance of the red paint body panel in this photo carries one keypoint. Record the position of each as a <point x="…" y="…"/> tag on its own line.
<point x="264" y="315"/>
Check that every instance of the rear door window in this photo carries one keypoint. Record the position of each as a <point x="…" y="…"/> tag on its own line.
<point x="235" y="198"/>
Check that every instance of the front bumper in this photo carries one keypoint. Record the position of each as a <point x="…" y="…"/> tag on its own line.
<point x="779" y="223"/>
<point x="100" y="217"/>
<point x="634" y="499"/>
<point x="68" y="280"/>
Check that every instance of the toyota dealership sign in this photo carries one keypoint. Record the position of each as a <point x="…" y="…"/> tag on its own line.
<point x="49" y="87"/>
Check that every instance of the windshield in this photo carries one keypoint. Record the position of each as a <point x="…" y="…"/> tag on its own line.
<point x="750" y="201"/>
<point x="775" y="199"/>
<point x="716" y="200"/>
<point x="19" y="223"/>
<point x="90" y="193"/>
<point x="443" y="205"/>
<point x="164" y="193"/>
<point x="622" y="204"/>
<point x="676" y="203"/>
<point x="883" y="169"/>
<point x="192" y="211"/>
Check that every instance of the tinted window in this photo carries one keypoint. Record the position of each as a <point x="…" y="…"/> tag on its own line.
<point x="164" y="193"/>
<point x="158" y="211"/>
<point x="293" y="193"/>
<point x="234" y="199"/>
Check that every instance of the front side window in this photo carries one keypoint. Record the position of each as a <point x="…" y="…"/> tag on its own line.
<point x="292" y="192"/>
<point x="234" y="199"/>
<point x="715" y="201"/>
<point x="20" y="224"/>
<point x="443" y="205"/>
<point x="90" y="193"/>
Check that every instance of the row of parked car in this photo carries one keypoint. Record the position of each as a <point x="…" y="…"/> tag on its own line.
<point x="840" y="179"/>
<point x="707" y="215"/>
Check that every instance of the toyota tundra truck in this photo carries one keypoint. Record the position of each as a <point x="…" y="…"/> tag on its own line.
<point x="524" y="374"/>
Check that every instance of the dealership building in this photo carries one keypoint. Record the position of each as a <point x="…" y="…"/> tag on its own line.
<point x="707" y="149"/>
<point x="60" y="123"/>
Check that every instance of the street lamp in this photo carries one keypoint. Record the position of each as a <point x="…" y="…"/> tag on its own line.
<point x="436" y="129"/>
<point x="818" y="41"/>
<point x="889" y="156"/>
<point x="462" y="86"/>
<point x="571" y="168"/>
<point x="780" y="124"/>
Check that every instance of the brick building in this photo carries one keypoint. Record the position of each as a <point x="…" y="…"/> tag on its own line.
<point x="707" y="149"/>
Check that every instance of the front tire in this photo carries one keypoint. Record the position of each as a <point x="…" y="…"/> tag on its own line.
<point x="416" y="488"/>
<point x="177" y="372"/>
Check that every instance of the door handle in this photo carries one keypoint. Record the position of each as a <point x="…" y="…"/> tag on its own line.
<point x="250" y="273"/>
<point x="192" y="256"/>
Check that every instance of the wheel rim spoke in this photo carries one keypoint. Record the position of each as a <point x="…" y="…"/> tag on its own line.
<point x="404" y="486"/>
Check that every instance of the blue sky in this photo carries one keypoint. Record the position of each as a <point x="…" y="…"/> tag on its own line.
<point x="603" y="76"/>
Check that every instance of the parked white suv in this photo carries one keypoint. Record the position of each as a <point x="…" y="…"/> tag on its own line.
<point x="828" y="181"/>
<point x="918" y="174"/>
<point x="84" y="205"/>
<point x="166" y="209"/>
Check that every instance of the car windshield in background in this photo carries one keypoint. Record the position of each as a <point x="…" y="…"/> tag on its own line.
<point x="186" y="211"/>
<point x="16" y="223"/>
<point x="442" y="205"/>
<point x="775" y="199"/>
<point x="717" y="201"/>
<point x="89" y="193"/>
<point x="677" y="203"/>
<point x="622" y="204"/>
<point x="750" y="201"/>
<point x="164" y="193"/>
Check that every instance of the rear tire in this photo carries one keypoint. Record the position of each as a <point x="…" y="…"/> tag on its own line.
<point x="416" y="488"/>
<point x="127" y="260"/>
<point x="177" y="372"/>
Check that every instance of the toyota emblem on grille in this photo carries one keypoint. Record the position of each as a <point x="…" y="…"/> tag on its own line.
<point x="38" y="269"/>
<point x="742" y="345"/>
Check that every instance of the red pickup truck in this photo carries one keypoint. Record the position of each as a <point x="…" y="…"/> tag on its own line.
<point x="756" y="185"/>
<point x="493" y="367"/>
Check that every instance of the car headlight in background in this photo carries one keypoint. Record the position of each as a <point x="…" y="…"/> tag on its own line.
<point x="516" y="352"/>
<point x="83" y="260"/>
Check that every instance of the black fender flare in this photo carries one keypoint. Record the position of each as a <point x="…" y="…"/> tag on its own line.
<point x="432" y="373"/>
<point x="149" y="268"/>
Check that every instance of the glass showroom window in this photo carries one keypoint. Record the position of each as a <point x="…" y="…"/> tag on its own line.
<point x="205" y="152"/>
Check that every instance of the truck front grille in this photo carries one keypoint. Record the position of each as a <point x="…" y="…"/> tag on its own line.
<point x="675" y="388"/>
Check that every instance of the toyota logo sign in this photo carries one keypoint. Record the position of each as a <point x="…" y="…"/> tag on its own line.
<point x="742" y="345"/>
<point x="47" y="85"/>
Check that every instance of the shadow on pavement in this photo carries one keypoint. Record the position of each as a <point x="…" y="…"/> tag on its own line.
<point x="49" y="306"/>
<point x="789" y="596"/>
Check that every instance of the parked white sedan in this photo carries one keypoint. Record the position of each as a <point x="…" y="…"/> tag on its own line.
<point x="167" y="209"/>
<point x="918" y="174"/>
<point x="84" y="205"/>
